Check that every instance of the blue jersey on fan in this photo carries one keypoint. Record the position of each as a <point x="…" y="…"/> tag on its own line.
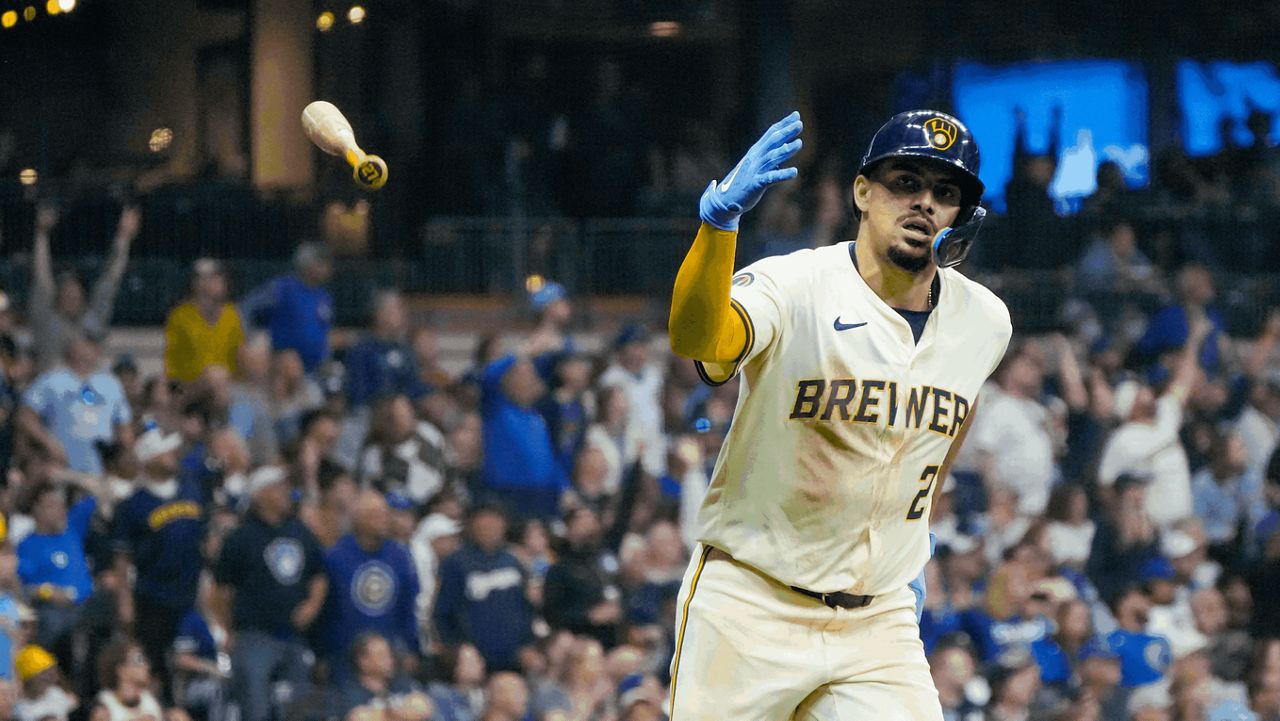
<point x="935" y="624"/>
<point x="9" y="622"/>
<point x="371" y="592"/>
<point x="1055" y="663"/>
<point x="526" y="472"/>
<point x="377" y="367"/>
<point x="996" y="638"/>
<point x="195" y="637"/>
<point x="482" y="602"/>
<point x="59" y="560"/>
<point x="1144" y="658"/>
<point x="297" y="315"/>
<point x="163" y="535"/>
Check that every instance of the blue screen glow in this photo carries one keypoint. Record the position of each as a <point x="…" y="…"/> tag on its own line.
<point x="1104" y="106"/>
<point x="1208" y="91"/>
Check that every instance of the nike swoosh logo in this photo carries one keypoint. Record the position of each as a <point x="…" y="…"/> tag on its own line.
<point x="847" y="326"/>
<point x="724" y="184"/>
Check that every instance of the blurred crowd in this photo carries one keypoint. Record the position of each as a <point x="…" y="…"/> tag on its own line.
<point x="284" y="524"/>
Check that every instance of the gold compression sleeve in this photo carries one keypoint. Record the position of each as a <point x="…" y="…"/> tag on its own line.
<point x="703" y="326"/>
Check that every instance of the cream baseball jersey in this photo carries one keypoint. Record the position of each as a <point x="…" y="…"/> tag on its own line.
<point x="825" y="478"/>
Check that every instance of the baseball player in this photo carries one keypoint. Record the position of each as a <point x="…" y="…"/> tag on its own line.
<point x="861" y="364"/>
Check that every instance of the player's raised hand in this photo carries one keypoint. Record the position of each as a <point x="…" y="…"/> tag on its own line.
<point x="724" y="202"/>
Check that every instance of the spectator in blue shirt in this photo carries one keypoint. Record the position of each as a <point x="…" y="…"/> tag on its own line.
<point x="10" y="620"/>
<point x="1098" y="672"/>
<point x="68" y="409"/>
<point x="296" y="309"/>
<point x="520" y="465"/>
<point x="372" y="585"/>
<point x="1226" y="496"/>
<point x="52" y="564"/>
<point x="274" y="570"/>
<point x="1113" y="262"/>
<point x="459" y="694"/>
<point x="551" y="337"/>
<point x="1124" y="540"/>
<point x="482" y="593"/>
<point x="376" y="690"/>
<point x="201" y="664"/>
<point x="565" y="409"/>
<point x="1169" y="328"/>
<point x="1012" y="618"/>
<point x="382" y="362"/>
<point x="160" y="528"/>
<point x="1144" y="657"/>
<point x="1057" y="655"/>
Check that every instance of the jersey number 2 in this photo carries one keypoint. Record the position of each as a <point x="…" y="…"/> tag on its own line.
<point x="929" y="477"/>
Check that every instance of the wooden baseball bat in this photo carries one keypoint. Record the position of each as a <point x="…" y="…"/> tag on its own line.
<point x="329" y="129"/>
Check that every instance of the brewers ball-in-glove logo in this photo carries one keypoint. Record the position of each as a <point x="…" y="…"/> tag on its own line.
<point x="373" y="587"/>
<point x="284" y="559"/>
<point x="941" y="133"/>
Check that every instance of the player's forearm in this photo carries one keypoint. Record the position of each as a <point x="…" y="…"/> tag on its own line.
<point x="702" y="325"/>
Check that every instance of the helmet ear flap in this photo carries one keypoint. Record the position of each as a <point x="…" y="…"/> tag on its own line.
<point x="952" y="245"/>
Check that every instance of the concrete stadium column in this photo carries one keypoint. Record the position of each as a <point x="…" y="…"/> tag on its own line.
<point x="155" y="81"/>
<point x="282" y="82"/>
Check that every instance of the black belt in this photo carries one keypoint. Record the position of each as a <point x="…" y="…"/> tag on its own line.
<point x="839" y="599"/>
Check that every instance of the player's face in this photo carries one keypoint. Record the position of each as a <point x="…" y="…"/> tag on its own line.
<point x="904" y="204"/>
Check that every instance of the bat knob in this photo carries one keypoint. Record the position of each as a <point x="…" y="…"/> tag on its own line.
<point x="371" y="173"/>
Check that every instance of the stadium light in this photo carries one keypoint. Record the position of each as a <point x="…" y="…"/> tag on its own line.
<point x="28" y="176"/>
<point x="66" y="6"/>
<point x="160" y="139"/>
<point x="665" y="28"/>
<point x="52" y="7"/>
<point x="8" y="19"/>
<point x="29" y="13"/>
<point x="356" y="14"/>
<point x="324" y="21"/>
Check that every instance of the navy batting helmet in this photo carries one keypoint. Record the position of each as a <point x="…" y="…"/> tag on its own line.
<point x="929" y="134"/>
<point x="936" y="136"/>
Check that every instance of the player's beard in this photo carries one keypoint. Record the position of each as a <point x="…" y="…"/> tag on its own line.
<point x="907" y="261"/>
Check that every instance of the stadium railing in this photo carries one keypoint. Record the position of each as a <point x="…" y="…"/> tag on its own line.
<point x="595" y="258"/>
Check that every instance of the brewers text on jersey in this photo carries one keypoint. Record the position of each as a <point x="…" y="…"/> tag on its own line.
<point x="872" y="401"/>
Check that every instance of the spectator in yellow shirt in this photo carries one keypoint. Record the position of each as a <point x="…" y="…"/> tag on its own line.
<point x="205" y="330"/>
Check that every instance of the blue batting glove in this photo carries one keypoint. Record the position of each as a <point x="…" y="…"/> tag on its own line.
<point x="917" y="586"/>
<point x="722" y="203"/>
